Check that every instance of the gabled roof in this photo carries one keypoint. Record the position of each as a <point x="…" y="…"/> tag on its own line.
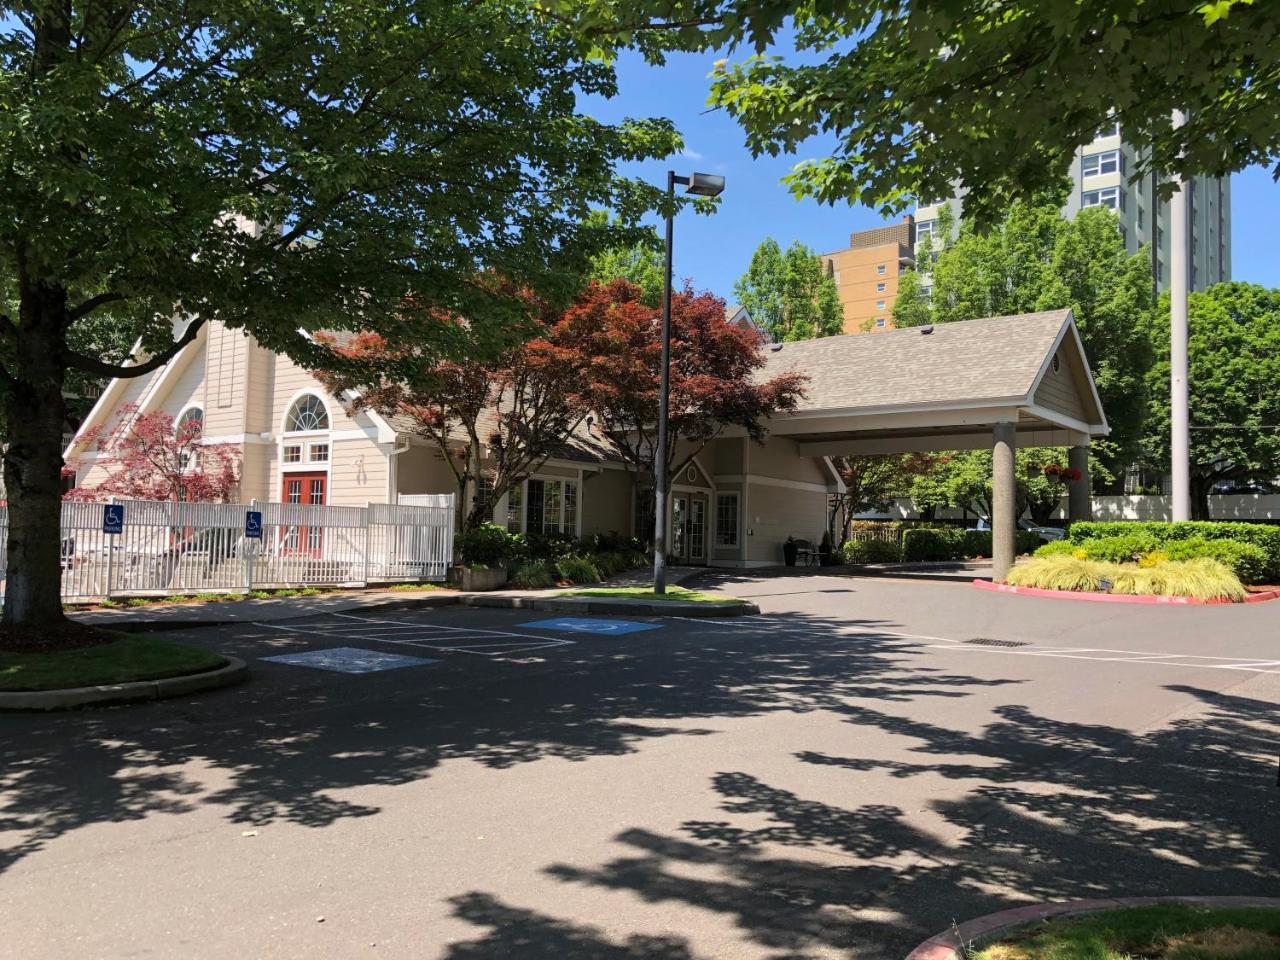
<point x="585" y="445"/>
<point x="996" y="360"/>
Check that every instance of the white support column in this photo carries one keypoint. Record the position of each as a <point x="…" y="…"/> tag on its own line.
<point x="1004" y="499"/>
<point x="1179" y="395"/>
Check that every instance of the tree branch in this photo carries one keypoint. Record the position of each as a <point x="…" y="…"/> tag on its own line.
<point x="92" y="304"/>
<point x="100" y="369"/>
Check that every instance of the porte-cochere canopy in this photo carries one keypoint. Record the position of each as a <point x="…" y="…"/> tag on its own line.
<point x="990" y="383"/>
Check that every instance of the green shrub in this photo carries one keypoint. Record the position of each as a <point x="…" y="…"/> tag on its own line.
<point x="954" y="543"/>
<point x="485" y="545"/>
<point x="871" y="551"/>
<point x="578" y="570"/>
<point x="1128" y="548"/>
<point x="1059" y="548"/>
<point x="1245" y="560"/>
<point x="1263" y="535"/>
<point x="926" y="544"/>
<point x="532" y="575"/>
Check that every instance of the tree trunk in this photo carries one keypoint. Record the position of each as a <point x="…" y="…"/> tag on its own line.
<point x="34" y="411"/>
<point x="1200" y="487"/>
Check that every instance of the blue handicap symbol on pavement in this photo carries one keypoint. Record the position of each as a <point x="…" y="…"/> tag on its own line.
<point x="113" y="518"/>
<point x="601" y="625"/>
<point x="253" y="524"/>
<point x="350" y="660"/>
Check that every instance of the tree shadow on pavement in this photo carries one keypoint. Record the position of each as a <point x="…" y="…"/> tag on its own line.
<point x="1045" y="809"/>
<point x="1055" y="811"/>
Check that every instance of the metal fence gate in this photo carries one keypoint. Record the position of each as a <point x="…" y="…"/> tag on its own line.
<point x="189" y="548"/>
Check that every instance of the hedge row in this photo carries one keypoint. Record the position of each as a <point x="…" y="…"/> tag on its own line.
<point x="1264" y="536"/>
<point x="954" y="543"/>
<point x="1245" y="560"/>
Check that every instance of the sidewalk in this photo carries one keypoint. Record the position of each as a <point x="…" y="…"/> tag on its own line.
<point x="182" y="616"/>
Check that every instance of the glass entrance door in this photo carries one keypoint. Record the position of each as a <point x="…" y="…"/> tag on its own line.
<point x="688" y="528"/>
<point x="679" y="527"/>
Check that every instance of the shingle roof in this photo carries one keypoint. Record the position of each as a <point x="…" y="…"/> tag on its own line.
<point x="973" y="360"/>
<point x="583" y="446"/>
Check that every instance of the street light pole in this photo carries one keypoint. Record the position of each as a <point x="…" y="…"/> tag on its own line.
<point x="702" y="185"/>
<point x="664" y="395"/>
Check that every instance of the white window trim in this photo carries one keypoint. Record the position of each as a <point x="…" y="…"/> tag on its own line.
<point x="305" y="439"/>
<point x="737" y="512"/>
<point x="500" y="507"/>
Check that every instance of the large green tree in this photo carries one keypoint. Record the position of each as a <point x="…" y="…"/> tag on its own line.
<point x="920" y="95"/>
<point x="280" y="167"/>
<point x="640" y="264"/>
<point x="1234" y="379"/>
<point x="788" y="293"/>
<point x="1036" y="260"/>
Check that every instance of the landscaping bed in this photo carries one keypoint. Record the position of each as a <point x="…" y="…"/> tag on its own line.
<point x="122" y="659"/>
<point x="1205" y="580"/>
<point x="1157" y="932"/>
<point x="539" y="561"/>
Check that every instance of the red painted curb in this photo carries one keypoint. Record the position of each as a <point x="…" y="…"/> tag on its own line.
<point x="950" y="944"/>
<point x="1116" y="597"/>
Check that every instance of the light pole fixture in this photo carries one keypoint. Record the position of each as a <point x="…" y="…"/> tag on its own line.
<point x="700" y="185"/>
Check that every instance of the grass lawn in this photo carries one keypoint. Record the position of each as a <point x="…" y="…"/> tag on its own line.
<point x="1164" y="932"/>
<point x="129" y="658"/>
<point x="644" y="593"/>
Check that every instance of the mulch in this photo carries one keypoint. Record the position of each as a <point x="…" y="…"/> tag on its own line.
<point x="53" y="637"/>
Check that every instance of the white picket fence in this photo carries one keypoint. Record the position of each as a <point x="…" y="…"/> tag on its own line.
<point x="184" y="548"/>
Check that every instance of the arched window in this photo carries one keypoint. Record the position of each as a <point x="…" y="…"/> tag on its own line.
<point x="306" y="414"/>
<point x="188" y="431"/>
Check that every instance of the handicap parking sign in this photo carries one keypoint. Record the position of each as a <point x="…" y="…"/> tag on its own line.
<point x="253" y="524"/>
<point x="113" y="518"/>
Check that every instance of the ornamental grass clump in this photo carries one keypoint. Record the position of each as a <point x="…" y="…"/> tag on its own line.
<point x="1060" y="572"/>
<point x="1200" y="579"/>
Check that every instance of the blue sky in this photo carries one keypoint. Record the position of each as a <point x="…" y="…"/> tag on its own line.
<point x="714" y="251"/>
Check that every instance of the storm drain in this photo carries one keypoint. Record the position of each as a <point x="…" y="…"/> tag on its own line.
<point x="992" y="642"/>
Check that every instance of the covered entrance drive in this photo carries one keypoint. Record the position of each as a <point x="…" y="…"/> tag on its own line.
<point x="980" y="384"/>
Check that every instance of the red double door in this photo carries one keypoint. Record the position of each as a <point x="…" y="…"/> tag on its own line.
<point x="308" y="488"/>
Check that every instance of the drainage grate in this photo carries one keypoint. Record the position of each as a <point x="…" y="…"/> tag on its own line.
<point x="992" y="642"/>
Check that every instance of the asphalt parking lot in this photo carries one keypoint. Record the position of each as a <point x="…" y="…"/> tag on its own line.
<point x="840" y="776"/>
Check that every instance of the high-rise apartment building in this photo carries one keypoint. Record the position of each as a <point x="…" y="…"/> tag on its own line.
<point x="1100" y="173"/>
<point x="866" y="274"/>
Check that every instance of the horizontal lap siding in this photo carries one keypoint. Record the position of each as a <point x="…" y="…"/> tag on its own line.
<point x="1058" y="392"/>
<point x="606" y="502"/>
<point x="776" y="513"/>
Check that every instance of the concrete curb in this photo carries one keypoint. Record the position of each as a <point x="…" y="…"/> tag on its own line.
<point x="950" y="944"/>
<point x="233" y="671"/>
<point x="1119" y="597"/>
<point x="635" y="608"/>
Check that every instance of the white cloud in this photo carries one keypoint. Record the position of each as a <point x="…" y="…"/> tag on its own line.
<point x="687" y="154"/>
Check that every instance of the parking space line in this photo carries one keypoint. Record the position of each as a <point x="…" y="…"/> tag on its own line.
<point x="432" y="636"/>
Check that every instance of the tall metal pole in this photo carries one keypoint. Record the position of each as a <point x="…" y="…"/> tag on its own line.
<point x="660" y="455"/>
<point x="1179" y="394"/>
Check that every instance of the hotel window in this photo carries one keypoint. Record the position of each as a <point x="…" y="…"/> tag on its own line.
<point x="1096" y="164"/>
<point x="880" y="288"/>
<point x="1140" y="215"/>
<point x="552" y="507"/>
<point x="925" y="228"/>
<point x="879" y="304"/>
<point x="880" y="321"/>
<point x="318" y="453"/>
<point x="726" y="520"/>
<point x="880" y="269"/>
<point x="1110" y="197"/>
<point x="1124" y="234"/>
<point x="1109" y="129"/>
<point x="515" y="508"/>
<point x="292" y="453"/>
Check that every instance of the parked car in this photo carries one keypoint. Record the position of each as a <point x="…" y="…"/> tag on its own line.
<point x="1047" y="534"/>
